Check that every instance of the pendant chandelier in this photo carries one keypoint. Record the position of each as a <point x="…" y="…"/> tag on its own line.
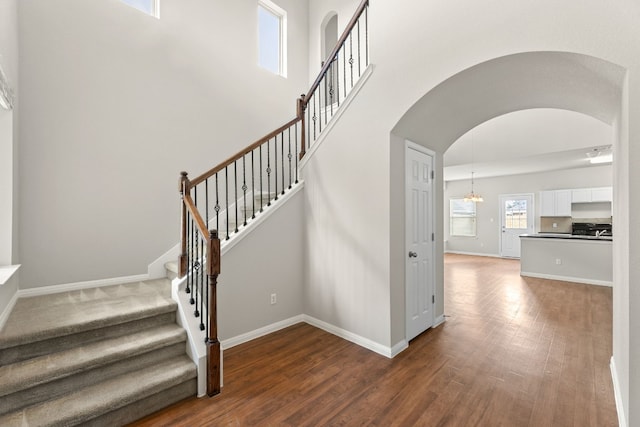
<point x="472" y="197"/>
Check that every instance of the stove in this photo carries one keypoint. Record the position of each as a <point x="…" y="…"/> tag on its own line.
<point x="591" y="229"/>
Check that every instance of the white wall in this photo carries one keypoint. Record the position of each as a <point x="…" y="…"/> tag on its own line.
<point x="268" y="260"/>
<point x="115" y="104"/>
<point x="8" y="135"/>
<point x="415" y="46"/>
<point x="487" y="240"/>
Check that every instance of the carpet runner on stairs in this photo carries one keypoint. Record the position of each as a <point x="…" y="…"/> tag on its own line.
<point x="104" y="357"/>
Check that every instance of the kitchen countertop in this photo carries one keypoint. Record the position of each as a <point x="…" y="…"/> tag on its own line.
<point x="566" y="236"/>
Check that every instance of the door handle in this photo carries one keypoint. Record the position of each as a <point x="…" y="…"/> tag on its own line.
<point x="413" y="254"/>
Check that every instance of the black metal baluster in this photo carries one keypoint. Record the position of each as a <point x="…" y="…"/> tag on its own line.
<point x="202" y="274"/>
<point x="275" y="158"/>
<point x="261" y="188"/>
<point x="366" y="34"/>
<point x="326" y="104"/>
<point x="197" y="254"/>
<point x="282" y="159"/>
<point x="331" y="88"/>
<point x="337" y="62"/>
<point x="268" y="174"/>
<point x="206" y="200"/>
<point x="226" y="196"/>
<point x="359" y="69"/>
<point x="296" y="150"/>
<point x="314" y="118"/>
<point x="194" y="283"/>
<point x="253" y="186"/>
<point x="217" y="207"/>
<point x="289" y="156"/>
<point x="351" y="60"/>
<point x="344" y="67"/>
<point x="235" y="190"/>
<point x="189" y="251"/>
<point x="320" y="112"/>
<point x="244" y="189"/>
<point x="308" y="139"/>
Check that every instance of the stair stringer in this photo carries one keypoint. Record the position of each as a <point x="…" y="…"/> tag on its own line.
<point x="196" y="348"/>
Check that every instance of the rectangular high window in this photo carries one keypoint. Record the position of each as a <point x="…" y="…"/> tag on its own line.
<point x="150" y="7"/>
<point x="272" y="36"/>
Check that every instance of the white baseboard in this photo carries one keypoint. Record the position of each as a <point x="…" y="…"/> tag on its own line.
<point x="472" y="254"/>
<point x="568" y="279"/>
<point x="438" y="321"/>
<point x="7" y="310"/>
<point x="399" y="348"/>
<point x="622" y="421"/>
<point x="241" y="339"/>
<point x="350" y="336"/>
<point x="55" y="289"/>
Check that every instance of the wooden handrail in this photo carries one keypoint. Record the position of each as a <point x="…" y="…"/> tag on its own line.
<point x="202" y="227"/>
<point x="242" y="153"/>
<point x="338" y="46"/>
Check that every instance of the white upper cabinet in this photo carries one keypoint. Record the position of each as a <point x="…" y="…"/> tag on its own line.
<point x="555" y="203"/>
<point x="591" y="195"/>
<point x="604" y="194"/>
<point x="581" y="195"/>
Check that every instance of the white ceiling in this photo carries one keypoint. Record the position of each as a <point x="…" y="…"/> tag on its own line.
<point x="526" y="141"/>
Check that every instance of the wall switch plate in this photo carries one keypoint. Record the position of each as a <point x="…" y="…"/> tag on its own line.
<point x="555" y="225"/>
<point x="274" y="299"/>
<point x="558" y="261"/>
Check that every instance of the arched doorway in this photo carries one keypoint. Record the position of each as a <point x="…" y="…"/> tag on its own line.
<point x="522" y="81"/>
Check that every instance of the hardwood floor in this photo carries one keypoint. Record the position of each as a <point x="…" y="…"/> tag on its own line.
<point x="513" y="351"/>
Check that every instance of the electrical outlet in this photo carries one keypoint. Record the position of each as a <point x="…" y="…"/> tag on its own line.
<point x="555" y="225"/>
<point x="274" y="299"/>
<point x="558" y="261"/>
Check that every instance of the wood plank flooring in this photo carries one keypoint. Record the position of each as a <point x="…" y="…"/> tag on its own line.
<point x="513" y="352"/>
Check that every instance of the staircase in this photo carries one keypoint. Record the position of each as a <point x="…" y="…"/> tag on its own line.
<point x="100" y="357"/>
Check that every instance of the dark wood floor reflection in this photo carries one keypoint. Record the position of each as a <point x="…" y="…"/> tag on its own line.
<point x="513" y="351"/>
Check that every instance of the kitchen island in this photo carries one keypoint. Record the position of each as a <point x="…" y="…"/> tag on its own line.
<point x="582" y="259"/>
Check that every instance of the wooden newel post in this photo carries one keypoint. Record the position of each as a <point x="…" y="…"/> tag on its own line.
<point x="183" y="259"/>
<point x="213" y="345"/>
<point x="300" y="109"/>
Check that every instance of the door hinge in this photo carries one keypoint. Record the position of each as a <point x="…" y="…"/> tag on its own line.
<point x="433" y="174"/>
<point x="433" y="237"/>
<point x="433" y="299"/>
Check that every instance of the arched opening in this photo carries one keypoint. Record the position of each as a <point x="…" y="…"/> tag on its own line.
<point x="329" y="34"/>
<point x="556" y="80"/>
<point x="329" y="39"/>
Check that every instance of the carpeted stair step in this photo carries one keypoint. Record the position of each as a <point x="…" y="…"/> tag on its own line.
<point x="115" y="401"/>
<point x="63" y="321"/>
<point x="36" y="380"/>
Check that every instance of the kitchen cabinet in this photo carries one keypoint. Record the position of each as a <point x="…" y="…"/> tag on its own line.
<point x="555" y="203"/>
<point x="592" y="195"/>
<point x="581" y="195"/>
<point x="604" y="194"/>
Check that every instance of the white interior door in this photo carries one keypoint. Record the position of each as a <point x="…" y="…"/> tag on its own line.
<point x="420" y="245"/>
<point x="516" y="218"/>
